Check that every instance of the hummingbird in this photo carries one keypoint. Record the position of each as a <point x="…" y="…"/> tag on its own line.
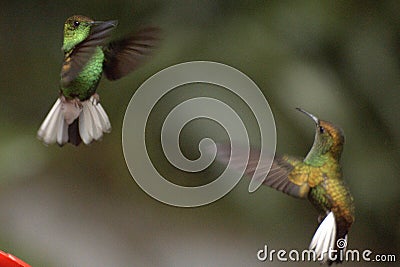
<point x="318" y="177"/>
<point x="77" y="115"/>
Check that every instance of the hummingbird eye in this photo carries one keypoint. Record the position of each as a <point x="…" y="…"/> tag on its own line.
<point x="76" y="23"/>
<point x="321" y="129"/>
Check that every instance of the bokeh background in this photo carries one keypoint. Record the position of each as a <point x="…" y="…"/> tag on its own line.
<point x="79" y="206"/>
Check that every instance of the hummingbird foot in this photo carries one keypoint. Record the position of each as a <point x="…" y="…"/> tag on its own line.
<point x="76" y="102"/>
<point x="95" y="98"/>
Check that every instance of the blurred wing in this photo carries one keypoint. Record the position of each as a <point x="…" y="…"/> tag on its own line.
<point x="279" y="177"/>
<point x="125" y="55"/>
<point x="80" y="55"/>
<point x="282" y="177"/>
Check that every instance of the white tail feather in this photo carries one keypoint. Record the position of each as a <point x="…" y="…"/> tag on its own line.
<point x="48" y="131"/>
<point x="97" y="127"/>
<point x="105" y="122"/>
<point x="85" y="124"/>
<point x="93" y="121"/>
<point x="324" y="238"/>
<point x="56" y="107"/>
<point x="62" y="131"/>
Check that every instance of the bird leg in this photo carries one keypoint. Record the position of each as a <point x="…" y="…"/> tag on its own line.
<point x="95" y="98"/>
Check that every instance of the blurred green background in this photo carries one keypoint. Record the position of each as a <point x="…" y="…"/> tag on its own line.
<point x="79" y="206"/>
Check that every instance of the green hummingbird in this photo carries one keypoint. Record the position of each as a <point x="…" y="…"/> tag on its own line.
<point x="77" y="114"/>
<point x="317" y="177"/>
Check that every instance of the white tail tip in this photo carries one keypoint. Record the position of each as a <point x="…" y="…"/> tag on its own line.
<point x="54" y="129"/>
<point x="93" y="121"/>
<point x="324" y="238"/>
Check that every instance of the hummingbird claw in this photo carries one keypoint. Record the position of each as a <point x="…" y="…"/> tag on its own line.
<point x="95" y="99"/>
<point x="77" y="103"/>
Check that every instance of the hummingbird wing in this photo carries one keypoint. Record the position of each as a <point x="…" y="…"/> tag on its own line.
<point x="76" y="59"/>
<point x="284" y="176"/>
<point x="280" y="176"/>
<point x="125" y="55"/>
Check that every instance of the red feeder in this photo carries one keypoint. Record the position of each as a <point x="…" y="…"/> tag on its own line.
<point x="8" y="260"/>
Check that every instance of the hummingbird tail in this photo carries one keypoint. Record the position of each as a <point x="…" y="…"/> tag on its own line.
<point x="74" y="121"/>
<point x="93" y="121"/>
<point x="324" y="239"/>
<point x="54" y="127"/>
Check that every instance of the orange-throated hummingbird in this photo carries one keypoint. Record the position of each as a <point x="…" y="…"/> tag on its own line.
<point x="318" y="177"/>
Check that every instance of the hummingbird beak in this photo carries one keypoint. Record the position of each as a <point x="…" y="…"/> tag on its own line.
<point x="315" y="119"/>
<point x="111" y="22"/>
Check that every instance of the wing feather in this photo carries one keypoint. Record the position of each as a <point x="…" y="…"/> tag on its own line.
<point x="278" y="177"/>
<point x="125" y="55"/>
<point x="75" y="60"/>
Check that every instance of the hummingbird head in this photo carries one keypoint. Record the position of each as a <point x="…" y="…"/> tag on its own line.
<point x="77" y="28"/>
<point x="328" y="137"/>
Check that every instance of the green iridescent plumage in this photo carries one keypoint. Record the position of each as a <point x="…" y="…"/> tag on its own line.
<point x="77" y="115"/>
<point x="85" y="84"/>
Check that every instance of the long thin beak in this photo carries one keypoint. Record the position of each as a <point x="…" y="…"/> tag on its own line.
<point x="315" y="119"/>
<point x="111" y="22"/>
